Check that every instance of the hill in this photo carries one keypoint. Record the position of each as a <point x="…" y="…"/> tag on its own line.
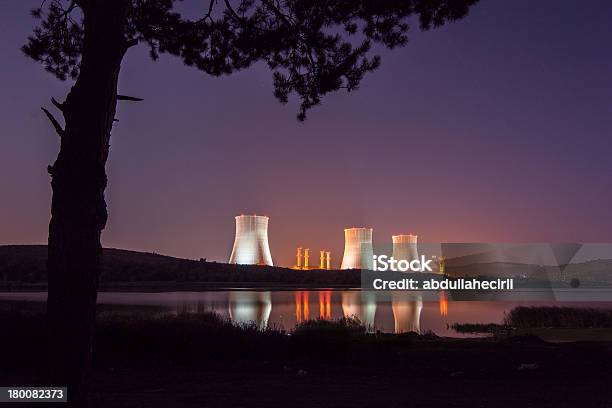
<point x="23" y="266"/>
<point x="26" y="264"/>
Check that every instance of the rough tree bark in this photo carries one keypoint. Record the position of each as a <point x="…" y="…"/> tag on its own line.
<point x="78" y="209"/>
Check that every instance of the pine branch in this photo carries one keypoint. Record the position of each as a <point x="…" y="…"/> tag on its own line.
<point x="54" y="122"/>
<point x="129" y="43"/>
<point x="58" y="105"/>
<point x="128" y="98"/>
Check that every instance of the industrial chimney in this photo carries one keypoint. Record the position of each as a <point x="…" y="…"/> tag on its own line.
<point x="358" y="250"/>
<point x="251" y="241"/>
<point x="405" y="247"/>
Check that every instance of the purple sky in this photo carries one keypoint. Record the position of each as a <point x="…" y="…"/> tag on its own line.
<point x="497" y="128"/>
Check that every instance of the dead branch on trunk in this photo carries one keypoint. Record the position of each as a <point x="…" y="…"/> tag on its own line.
<point x="128" y="98"/>
<point x="54" y="122"/>
<point x="58" y="105"/>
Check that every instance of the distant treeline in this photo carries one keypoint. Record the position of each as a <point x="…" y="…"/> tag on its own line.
<point x="26" y="263"/>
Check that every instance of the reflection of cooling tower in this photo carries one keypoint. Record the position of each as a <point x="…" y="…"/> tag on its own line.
<point x="251" y="242"/>
<point x="406" y="313"/>
<point x="250" y="308"/>
<point x="361" y="305"/>
<point x="358" y="251"/>
<point x="405" y="247"/>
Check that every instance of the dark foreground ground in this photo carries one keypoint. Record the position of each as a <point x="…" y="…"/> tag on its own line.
<point x="235" y="386"/>
<point x="145" y="360"/>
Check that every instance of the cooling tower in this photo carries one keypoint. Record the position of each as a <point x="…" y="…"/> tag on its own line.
<point x="358" y="251"/>
<point x="405" y="247"/>
<point x="251" y="242"/>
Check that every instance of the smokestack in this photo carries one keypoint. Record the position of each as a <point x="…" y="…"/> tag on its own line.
<point x="299" y="258"/>
<point x="321" y="259"/>
<point x="358" y="250"/>
<point x="251" y="241"/>
<point x="306" y="256"/>
<point x="328" y="260"/>
<point x="405" y="247"/>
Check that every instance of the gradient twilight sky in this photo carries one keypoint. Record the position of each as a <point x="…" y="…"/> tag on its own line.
<point x="496" y="128"/>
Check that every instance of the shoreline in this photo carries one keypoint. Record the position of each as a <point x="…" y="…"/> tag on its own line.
<point x="155" y="287"/>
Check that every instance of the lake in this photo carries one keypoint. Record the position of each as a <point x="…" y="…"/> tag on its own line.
<point x="395" y="313"/>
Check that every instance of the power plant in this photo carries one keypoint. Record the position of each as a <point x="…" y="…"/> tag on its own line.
<point x="251" y="247"/>
<point x="405" y="247"/>
<point x="251" y="242"/>
<point x="358" y="250"/>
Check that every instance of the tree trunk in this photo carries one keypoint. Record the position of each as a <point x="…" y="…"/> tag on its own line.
<point x="78" y="209"/>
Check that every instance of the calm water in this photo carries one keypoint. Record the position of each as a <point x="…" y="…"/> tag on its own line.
<point x="398" y="313"/>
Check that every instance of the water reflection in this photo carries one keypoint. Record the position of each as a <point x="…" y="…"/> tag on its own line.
<point x="302" y="305"/>
<point x="443" y="304"/>
<point x="406" y="312"/>
<point x="400" y="312"/>
<point x="325" y="304"/>
<point x="250" y="307"/>
<point x="361" y="305"/>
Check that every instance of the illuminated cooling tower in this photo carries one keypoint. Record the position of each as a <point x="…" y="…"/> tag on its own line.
<point x="251" y="242"/>
<point x="405" y="247"/>
<point x="358" y="251"/>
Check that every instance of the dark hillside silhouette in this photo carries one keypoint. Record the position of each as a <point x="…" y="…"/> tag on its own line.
<point x="21" y="265"/>
<point x="26" y="264"/>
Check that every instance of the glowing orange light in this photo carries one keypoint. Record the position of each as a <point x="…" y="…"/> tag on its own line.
<point x="302" y="307"/>
<point x="306" y="305"/>
<point x="306" y="256"/>
<point x="298" y="306"/>
<point x="325" y="304"/>
<point x="298" y="255"/>
<point x="443" y="304"/>
<point x="321" y="305"/>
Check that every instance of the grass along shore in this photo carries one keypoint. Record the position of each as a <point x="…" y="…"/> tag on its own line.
<point x="548" y="322"/>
